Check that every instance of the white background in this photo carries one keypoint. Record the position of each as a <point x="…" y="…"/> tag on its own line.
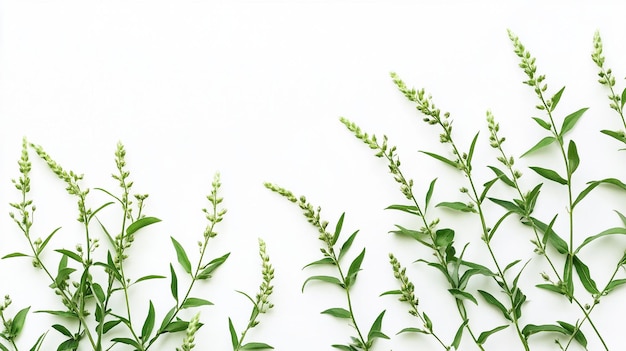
<point x="254" y="90"/>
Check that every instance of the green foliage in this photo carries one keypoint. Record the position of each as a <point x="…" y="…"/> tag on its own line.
<point x="344" y="279"/>
<point x="563" y="260"/>
<point x="260" y="304"/>
<point x="90" y="282"/>
<point x="88" y="279"/>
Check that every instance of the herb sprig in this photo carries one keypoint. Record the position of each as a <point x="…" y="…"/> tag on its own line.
<point x="89" y="283"/>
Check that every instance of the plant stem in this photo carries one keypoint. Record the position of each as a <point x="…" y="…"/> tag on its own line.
<point x="408" y="189"/>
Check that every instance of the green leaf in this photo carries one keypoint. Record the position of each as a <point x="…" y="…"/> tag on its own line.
<point x="15" y="254"/>
<point x="556" y="98"/>
<point x="195" y="302"/>
<point x="182" y="256"/>
<point x="585" y="276"/>
<point x="611" y="231"/>
<point x="584" y="193"/>
<point x="338" y="229"/>
<point x="233" y="334"/>
<point x="338" y="312"/>
<point x="531" y="198"/>
<point x="429" y="193"/>
<point x="541" y="144"/>
<point x="481" y="269"/>
<point x="63" y="274"/>
<point x="174" y="283"/>
<point x="110" y="267"/>
<point x="148" y="324"/>
<point x="503" y="177"/>
<point x="549" y="235"/>
<point x="444" y="237"/>
<point x="462" y="295"/>
<point x="551" y="287"/>
<point x="572" y="156"/>
<point x="439" y="267"/>
<point x="375" y="329"/>
<point x="412" y="330"/>
<point x="18" y="321"/>
<point x="570" y="121"/>
<point x="531" y="329"/>
<point x="442" y="159"/>
<point x="47" y="240"/>
<point x="247" y="296"/>
<point x="618" y="135"/>
<point x="38" y="343"/>
<point x="168" y="317"/>
<point x="354" y="269"/>
<point x="111" y="195"/>
<point x="411" y="234"/>
<point x="63" y="330"/>
<point x="484" y="335"/>
<point x="494" y="302"/>
<point x="623" y="97"/>
<point x="459" y="335"/>
<point x="140" y="223"/>
<point x="93" y="214"/>
<point x="210" y="267"/>
<point x="65" y="314"/>
<point x="176" y="326"/>
<point x="149" y="277"/>
<point x="510" y="265"/>
<point x="543" y="124"/>
<point x="509" y="206"/>
<point x="549" y="174"/>
<point x="127" y="341"/>
<point x="256" y="346"/>
<point x="69" y="344"/>
<point x="323" y="278"/>
<point x="391" y="292"/>
<point x="466" y="276"/>
<point x="568" y="281"/>
<point x="621" y="216"/>
<point x="519" y="299"/>
<point x="612" y="181"/>
<point x="106" y="232"/>
<point x="614" y="284"/>
<point x="98" y="292"/>
<point x="493" y="230"/>
<point x="98" y="314"/>
<point x="325" y="260"/>
<point x="404" y="208"/>
<point x="579" y="336"/>
<point x="76" y="257"/>
<point x="346" y="245"/>
<point x="110" y="325"/>
<point x="429" y="323"/>
<point x="458" y="206"/>
<point x="470" y="153"/>
<point x="486" y="188"/>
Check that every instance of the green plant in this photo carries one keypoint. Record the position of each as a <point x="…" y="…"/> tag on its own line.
<point x="95" y="286"/>
<point x="503" y="197"/>
<point x="260" y="304"/>
<point x="89" y="282"/>
<point x="343" y="279"/>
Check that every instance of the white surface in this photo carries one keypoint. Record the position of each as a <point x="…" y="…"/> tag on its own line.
<point x="254" y="90"/>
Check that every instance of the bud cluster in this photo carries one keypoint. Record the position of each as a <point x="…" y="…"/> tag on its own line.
<point x="406" y="287"/>
<point x="530" y="69"/>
